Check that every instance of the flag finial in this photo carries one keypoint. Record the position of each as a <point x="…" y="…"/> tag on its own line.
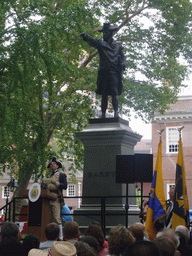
<point x="160" y="132"/>
<point x="180" y="129"/>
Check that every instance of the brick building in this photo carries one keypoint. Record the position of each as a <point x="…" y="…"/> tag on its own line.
<point x="179" y="114"/>
<point x="143" y="147"/>
<point x="74" y="191"/>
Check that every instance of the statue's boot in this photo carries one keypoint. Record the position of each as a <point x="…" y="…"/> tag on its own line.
<point x="115" y="104"/>
<point x="116" y="114"/>
<point x="102" y="115"/>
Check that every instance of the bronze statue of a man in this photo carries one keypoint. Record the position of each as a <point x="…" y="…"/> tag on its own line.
<point x="112" y="63"/>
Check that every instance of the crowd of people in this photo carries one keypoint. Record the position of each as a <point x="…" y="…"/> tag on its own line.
<point x="120" y="241"/>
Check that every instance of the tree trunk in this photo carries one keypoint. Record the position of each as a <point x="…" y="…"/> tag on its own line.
<point x="22" y="185"/>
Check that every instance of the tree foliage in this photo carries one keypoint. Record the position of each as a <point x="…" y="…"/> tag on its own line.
<point x="41" y="83"/>
<point x="48" y="73"/>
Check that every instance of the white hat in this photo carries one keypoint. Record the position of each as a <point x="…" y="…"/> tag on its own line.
<point x="59" y="248"/>
<point x="37" y="252"/>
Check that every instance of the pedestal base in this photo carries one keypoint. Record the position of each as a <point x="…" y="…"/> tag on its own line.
<point x="103" y="140"/>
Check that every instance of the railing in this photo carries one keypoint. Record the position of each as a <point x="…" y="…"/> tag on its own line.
<point x="102" y="206"/>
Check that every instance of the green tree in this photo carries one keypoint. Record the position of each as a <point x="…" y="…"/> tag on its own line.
<point x="48" y="73"/>
<point x="41" y="86"/>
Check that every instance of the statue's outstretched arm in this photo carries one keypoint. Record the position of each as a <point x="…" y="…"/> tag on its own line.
<point x="90" y="40"/>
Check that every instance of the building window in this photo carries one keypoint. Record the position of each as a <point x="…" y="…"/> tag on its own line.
<point x="71" y="190"/>
<point x="5" y="192"/>
<point x="172" y="138"/>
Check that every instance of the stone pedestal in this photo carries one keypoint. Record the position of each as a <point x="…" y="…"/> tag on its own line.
<point x="103" y="140"/>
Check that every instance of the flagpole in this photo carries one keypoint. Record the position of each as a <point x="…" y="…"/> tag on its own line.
<point x="160" y="133"/>
<point x="180" y="130"/>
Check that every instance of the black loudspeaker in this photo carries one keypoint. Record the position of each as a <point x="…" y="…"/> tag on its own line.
<point x="125" y="169"/>
<point x="134" y="168"/>
<point x="143" y="164"/>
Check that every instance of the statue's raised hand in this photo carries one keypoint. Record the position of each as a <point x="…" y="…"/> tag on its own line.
<point x="84" y="36"/>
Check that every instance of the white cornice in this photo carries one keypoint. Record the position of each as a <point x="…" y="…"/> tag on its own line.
<point x="175" y="115"/>
<point x="186" y="97"/>
<point x="173" y="118"/>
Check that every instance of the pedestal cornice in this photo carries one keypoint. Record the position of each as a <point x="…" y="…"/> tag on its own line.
<point x="109" y="132"/>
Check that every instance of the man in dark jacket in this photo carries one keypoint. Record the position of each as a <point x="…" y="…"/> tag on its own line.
<point x="169" y="203"/>
<point x="112" y="63"/>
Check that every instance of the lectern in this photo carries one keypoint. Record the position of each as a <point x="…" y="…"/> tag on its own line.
<point x="39" y="214"/>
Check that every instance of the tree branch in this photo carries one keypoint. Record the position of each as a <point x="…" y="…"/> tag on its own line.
<point x="90" y="57"/>
<point x="128" y="18"/>
<point x="57" y="7"/>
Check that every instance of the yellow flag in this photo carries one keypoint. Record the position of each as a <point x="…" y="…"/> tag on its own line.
<point x="180" y="205"/>
<point x="157" y="204"/>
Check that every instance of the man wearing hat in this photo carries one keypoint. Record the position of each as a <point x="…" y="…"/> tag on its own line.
<point x="112" y="63"/>
<point x="56" y="183"/>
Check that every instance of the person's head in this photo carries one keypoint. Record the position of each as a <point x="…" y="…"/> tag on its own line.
<point x="182" y="242"/>
<point x="61" y="248"/>
<point x="71" y="230"/>
<point x="9" y="229"/>
<point x="107" y="35"/>
<point x="172" y="193"/>
<point x="83" y="249"/>
<point x="94" y="222"/>
<point x="165" y="245"/>
<point x="91" y="241"/>
<point x="95" y="231"/>
<point x="31" y="241"/>
<point x="54" y="164"/>
<point x="119" y="238"/>
<point x="11" y="246"/>
<point x="142" y="226"/>
<point x="137" y="231"/>
<point x="185" y="231"/>
<point x="52" y="231"/>
<point x="170" y="233"/>
<point x="142" y="248"/>
<point x="108" y="31"/>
